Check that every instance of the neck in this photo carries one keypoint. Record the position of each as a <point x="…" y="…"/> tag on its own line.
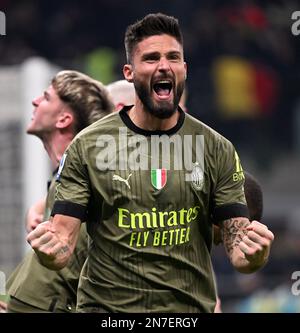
<point x="56" y="145"/>
<point x="145" y="120"/>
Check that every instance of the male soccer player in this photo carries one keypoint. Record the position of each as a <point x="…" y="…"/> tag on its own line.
<point x="71" y="102"/>
<point x="149" y="215"/>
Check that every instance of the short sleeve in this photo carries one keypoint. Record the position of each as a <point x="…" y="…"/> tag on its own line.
<point x="72" y="184"/>
<point x="229" y="197"/>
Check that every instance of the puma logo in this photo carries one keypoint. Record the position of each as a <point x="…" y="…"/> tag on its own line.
<point x="120" y="179"/>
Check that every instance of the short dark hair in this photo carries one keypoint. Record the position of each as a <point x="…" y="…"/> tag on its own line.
<point x="254" y="197"/>
<point x="151" y="25"/>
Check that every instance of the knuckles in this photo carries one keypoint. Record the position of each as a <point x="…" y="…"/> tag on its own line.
<point x="265" y="243"/>
<point x="271" y="236"/>
<point x="34" y="244"/>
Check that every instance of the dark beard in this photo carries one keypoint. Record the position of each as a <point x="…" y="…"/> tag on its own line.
<point x="165" y="109"/>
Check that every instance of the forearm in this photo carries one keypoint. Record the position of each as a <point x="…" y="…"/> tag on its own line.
<point x="232" y="235"/>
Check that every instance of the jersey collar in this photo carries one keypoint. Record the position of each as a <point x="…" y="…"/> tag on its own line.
<point x="127" y="121"/>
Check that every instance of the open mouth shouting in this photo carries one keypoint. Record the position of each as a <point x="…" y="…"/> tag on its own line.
<point x="163" y="89"/>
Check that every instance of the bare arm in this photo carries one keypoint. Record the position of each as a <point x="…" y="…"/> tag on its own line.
<point x="247" y="244"/>
<point x="3" y="307"/>
<point x="54" y="241"/>
<point x="35" y="215"/>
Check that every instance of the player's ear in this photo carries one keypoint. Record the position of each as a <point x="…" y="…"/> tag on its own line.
<point x="128" y="72"/>
<point x="65" y="119"/>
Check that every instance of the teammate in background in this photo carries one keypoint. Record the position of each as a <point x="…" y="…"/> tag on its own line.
<point x="151" y="230"/>
<point x="72" y="102"/>
<point x="122" y="93"/>
<point x="254" y="197"/>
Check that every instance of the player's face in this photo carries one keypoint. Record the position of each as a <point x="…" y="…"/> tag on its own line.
<point x="158" y="72"/>
<point x="47" y="108"/>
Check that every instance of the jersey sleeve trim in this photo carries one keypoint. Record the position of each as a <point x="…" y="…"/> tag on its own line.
<point x="70" y="209"/>
<point x="226" y="212"/>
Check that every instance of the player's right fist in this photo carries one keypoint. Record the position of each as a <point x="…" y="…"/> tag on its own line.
<point x="47" y="245"/>
<point x="42" y="237"/>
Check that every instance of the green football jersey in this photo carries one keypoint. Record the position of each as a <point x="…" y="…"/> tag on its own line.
<point x="37" y="286"/>
<point x="149" y="198"/>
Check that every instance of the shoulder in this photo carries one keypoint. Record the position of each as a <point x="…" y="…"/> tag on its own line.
<point x="196" y="126"/>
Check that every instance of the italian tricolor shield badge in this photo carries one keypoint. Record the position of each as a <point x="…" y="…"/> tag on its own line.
<point x="159" y="178"/>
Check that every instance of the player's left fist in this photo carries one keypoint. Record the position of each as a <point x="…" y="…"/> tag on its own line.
<point x="256" y="243"/>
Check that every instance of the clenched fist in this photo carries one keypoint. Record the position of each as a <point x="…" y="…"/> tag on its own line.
<point x="47" y="245"/>
<point x="256" y="243"/>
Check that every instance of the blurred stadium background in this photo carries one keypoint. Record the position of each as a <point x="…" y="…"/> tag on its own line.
<point x="243" y="80"/>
